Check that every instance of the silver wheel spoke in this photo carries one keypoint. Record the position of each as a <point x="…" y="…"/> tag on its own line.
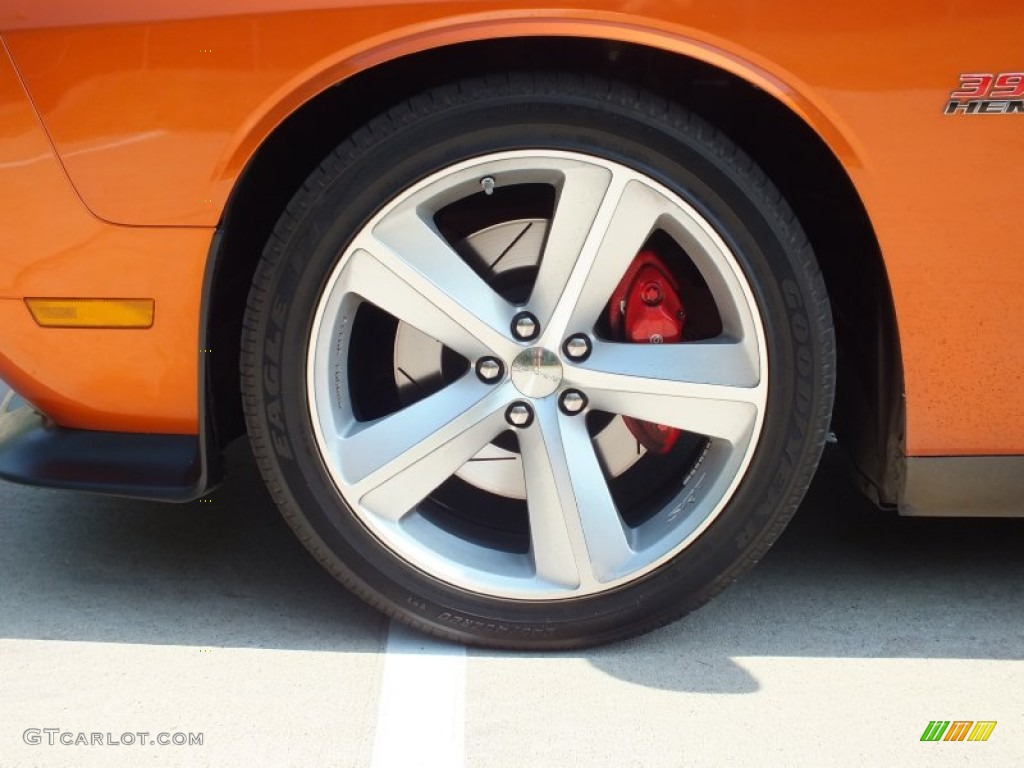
<point x="628" y="214"/>
<point x="577" y="537"/>
<point x="708" y="388"/>
<point x="414" y="303"/>
<point x="393" y="462"/>
<point x="584" y="192"/>
<point x="731" y="420"/>
<point x="717" y="362"/>
<point x="415" y="252"/>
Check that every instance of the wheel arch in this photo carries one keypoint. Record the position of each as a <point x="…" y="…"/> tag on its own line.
<point x="769" y="120"/>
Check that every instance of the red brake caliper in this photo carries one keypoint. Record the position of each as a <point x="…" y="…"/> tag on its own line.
<point x="646" y="309"/>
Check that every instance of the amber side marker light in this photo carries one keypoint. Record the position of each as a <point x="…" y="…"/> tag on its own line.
<point x="92" y="313"/>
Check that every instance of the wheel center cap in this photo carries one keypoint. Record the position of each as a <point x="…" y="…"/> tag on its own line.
<point x="536" y="372"/>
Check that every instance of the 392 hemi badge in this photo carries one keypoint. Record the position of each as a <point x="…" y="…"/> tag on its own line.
<point x="988" y="94"/>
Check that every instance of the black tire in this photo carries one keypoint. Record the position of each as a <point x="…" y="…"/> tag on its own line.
<point x="556" y="111"/>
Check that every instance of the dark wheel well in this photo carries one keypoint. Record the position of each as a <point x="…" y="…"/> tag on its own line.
<point x="868" y="416"/>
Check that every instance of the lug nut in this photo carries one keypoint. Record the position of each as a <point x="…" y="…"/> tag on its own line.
<point x="572" y="401"/>
<point x="577" y="347"/>
<point x="519" y="415"/>
<point x="525" y="326"/>
<point x="489" y="369"/>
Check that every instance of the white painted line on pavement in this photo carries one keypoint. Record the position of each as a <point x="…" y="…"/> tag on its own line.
<point x="422" y="717"/>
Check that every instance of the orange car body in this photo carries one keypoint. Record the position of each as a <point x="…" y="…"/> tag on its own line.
<point x="125" y="128"/>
